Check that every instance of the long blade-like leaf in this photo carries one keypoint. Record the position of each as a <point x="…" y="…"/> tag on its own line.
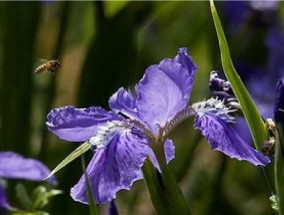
<point x="251" y="113"/>
<point x="279" y="169"/>
<point x="76" y="153"/>
<point x="92" y="206"/>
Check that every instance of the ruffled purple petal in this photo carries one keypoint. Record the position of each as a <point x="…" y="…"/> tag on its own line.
<point x="185" y="81"/>
<point x="77" y="124"/>
<point x="13" y="165"/>
<point x="4" y="205"/>
<point x="123" y="102"/>
<point x="113" y="167"/>
<point x="169" y="153"/>
<point x="224" y="138"/>
<point x="164" y="90"/>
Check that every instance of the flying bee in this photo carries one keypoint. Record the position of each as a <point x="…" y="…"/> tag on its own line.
<point x="49" y="66"/>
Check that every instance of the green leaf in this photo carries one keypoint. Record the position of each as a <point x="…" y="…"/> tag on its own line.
<point x="154" y="188"/>
<point x="279" y="168"/>
<point x="41" y="196"/>
<point x="92" y="206"/>
<point x="251" y="113"/>
<point x="165" y="194"/>
<point x="76" y="153"/>
<point x="29" y="213"/>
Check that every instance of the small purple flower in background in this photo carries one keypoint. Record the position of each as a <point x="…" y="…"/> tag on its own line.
<point x="279" y="103"/>
<point x="255" y="16"/>
<point x="14" y="166"/>
<point x="121" y="139"/>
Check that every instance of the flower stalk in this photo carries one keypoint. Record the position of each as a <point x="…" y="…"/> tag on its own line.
<point x="170" y="196"/>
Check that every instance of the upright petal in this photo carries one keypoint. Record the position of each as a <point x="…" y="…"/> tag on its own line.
<point x="77" y="124"/>
<point x="114" y="167"/>
<point x="123" y="102"/>
<point x="191" y="68"/>
<point x="164" y="90"/>
<point x="13" y="165"/>
<point x="224" y="138"/>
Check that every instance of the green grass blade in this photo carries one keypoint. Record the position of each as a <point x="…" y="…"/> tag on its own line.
<point x="251" y="113"/>
<point x="92" y="206"/>
<point x="279" y="168"/>
<point x="76" y="153"/>
<point x="154" y="188"/>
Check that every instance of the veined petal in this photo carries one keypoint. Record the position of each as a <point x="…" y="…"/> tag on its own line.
<point x="4" y="205"/>
<point x="224" y="138"/>
<point x="13" y="165"/>
<point x="77" y="124"/>
<point x="185" y="81"/>
<point x="123" y="102"/>
<point x="164" y="90"/>
<point x="113" y="167"/>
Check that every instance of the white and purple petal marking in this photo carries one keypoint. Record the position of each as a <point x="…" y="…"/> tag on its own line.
<point x="120" y="152"/>
<point x="114" y="166"/>
<point x="222" y="137"/>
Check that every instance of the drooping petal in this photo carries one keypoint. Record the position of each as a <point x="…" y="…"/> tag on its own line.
<point x="169" y="153"/>
<point x="77" y="124"/>
<point x="224" y="138"/>
<point x="13" y="165"/>
<point x="4" y="205"/>
<point x="123" y="102"/>
<point x="114" y="167"/>
<point x="164" y="90"/>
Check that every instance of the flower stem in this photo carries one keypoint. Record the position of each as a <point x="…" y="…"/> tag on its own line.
<point x="171" y="199"/>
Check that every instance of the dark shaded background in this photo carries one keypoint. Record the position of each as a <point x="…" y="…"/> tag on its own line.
<point x="105" y="45"/>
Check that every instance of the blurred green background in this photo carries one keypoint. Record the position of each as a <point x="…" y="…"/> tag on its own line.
<point x="105" y="45"/>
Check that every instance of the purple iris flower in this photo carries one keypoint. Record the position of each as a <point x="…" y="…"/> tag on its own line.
<point x="14" y="166"/>
<point x="121" y="138"/>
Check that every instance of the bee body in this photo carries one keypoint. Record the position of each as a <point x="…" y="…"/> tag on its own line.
<point x="50" y="66"/>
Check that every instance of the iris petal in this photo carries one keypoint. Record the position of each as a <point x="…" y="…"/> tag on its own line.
<point x="165" y="90"/>
<point x="114" y="167"/>
<point x="123" y="102"/>
<point x="77" y="124"/>
<point x="225" y="139"/>
<point x="13" y="165"/>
